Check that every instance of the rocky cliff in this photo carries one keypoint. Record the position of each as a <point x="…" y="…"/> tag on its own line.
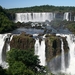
<point x="22" y="41"/>
<point x="52" y="42"/>
<point x="53" y="46"/>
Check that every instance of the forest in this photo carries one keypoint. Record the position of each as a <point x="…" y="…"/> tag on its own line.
<point x="6" y="25"/>
<point x="43" y="8"/>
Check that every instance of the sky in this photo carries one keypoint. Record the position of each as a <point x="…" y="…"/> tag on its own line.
<point x="28" y="3"/>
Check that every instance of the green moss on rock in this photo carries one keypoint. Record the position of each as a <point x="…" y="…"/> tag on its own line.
<point x="22" y="41"/>
<point x="53" y="46"/>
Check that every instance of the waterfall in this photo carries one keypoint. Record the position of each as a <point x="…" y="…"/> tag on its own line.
<point x="8" y="44"/>
<point x="74" y="18"/>
<point x="40" y="51"/>
<point x="70" y="68"/>
<point x="66" y="16"/>
<point x="2" y="41"/>
<point x="42" y="16"/>
<point x="37" y="45"/>
<point x="34" y="17"/>
<point x="71" y="44"/>
<point x="4" y="47"/>
<point x="62" y="58"/>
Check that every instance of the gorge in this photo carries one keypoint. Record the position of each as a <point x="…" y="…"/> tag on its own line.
<point x="54" y="46"/>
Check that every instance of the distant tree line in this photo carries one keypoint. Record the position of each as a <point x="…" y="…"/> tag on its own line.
<point x="43" y="8"/>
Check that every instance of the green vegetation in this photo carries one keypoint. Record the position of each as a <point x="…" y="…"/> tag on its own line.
<point x="2" y="71"/>
<point x="53" y="46"/>
<point x="23" y="41"/>
<point x="21" y="57"/>
<point x="63" y="24"/>
<point x="5" y="24"/>
<point x="43" y="8"/>
<point x="23" y="62"/>
<point x="47" y="8"/>
<point x="71" y="26"/>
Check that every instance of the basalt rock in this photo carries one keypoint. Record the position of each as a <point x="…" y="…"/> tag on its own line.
<point x="53" y="46"/>
<point x="22" y="41"/>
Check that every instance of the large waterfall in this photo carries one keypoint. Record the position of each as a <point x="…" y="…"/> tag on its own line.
<point x="40" y="16"/>
<point x="40" y="51"/>
<point x="71" y="55"/>
<point x="70" y="69"/>
<point x="34" y="17"/>
<point x="58" y="63"/>
<point x="71" y="44"/>
<point x="2" y="42"/>
<point x="4" y="47"/>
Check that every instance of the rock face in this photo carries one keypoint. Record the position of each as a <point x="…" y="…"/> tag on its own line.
<point x="52" y="42"/>
<point x="22" y="41"/>
<point x="53" y="46"/>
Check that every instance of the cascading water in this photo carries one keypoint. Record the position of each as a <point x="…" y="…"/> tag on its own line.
<point x="74" y="18"/>
<point x="66" y="16"/>
<point x="34" y="17"/>
<point x="62" y="58"/>
<point x="71" y="44"/>
<point x="8" y="44"/>
<point x="37" y="45"/>
<point x="40" y="51"/>
<point x="2" y="41"/>
<point x="4" y="47"/>
<point x="39" y="17"/>
<point x="70" y="70"/>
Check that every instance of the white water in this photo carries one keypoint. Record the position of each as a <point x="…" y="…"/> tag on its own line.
<point x="3" y="37"/>
<point x="40" y="51"/>
<point x="74" y="18"/>
<point x="62" y="58"/>
<point x="66" y="16"/>
<point x="34" y="17"/>
<point x="71" y="44"/>
<point x="8" y="45"/>
<point x="2" y="42"/>
<point x="39" y="17"/>
<point x="70" y="70"/>
<point x="37" y="45"/>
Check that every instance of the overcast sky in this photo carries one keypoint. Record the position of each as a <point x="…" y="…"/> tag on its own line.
<point x="28" y="3"/>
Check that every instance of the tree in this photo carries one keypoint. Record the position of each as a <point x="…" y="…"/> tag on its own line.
<point x="6" y="24"/>
<point x="2" y="71"/>
<point x="23" y="62"/>
<point x="17" y="68"/>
